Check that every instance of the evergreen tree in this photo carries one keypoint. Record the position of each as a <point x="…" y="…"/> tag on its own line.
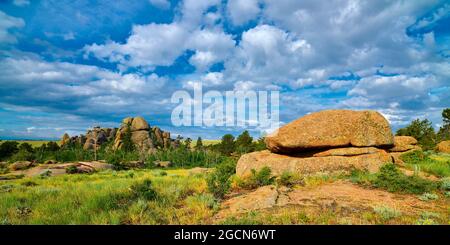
<point x="199" y="144"/>
<point x="244" y="143"/>
<point x="127" y="143"/>
<point x="187" y="143"/>
<point x="227" y="144"/>
<point x="444" y="130"/>
<point x="422" y="130"/>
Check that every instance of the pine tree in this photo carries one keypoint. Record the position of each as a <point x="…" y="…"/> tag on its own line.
<point x="199" y="144"/>
<point x="244" y="143"/>
<point x="127" y="143"/>
<point x="444" y="130"/>
<point x="227" y="145"/>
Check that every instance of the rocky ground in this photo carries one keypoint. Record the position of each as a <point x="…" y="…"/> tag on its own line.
<point x="344" y="200"/>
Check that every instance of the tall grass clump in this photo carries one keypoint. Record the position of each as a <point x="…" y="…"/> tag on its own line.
<point x="257" y="179"/>
<point x="419" y="159"/>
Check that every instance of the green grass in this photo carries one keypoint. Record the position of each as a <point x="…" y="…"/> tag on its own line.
<point x="436" y="164"/>
<point x="110" y="197"/>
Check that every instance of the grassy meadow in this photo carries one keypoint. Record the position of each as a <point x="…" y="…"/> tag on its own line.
<point x="108" y="198"/>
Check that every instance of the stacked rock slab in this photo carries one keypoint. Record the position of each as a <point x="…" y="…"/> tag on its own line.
<point x="325" y="141"/>
<point x="402" y="144"/>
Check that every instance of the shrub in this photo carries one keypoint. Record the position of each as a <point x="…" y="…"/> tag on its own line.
<point x="258" y="178"/>
<point x="391" y="179"/>
<point x="45" y="174"/>
<point x="445" y="184"/>
<point x="144" y="190"/>
<point x="29" y="183"/>
<point x="387" y="213"/>
<point x="71" y="169"/>
<point x="289" y="179"/>
<point x="219" y="181"/>
<point x="428" y="196"/>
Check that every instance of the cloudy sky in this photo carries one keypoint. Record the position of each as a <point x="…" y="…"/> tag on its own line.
<point x="68" y="65"/>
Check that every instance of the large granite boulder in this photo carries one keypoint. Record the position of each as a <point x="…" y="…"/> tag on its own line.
<point x="141" y="140"/>
<point x="331" y="129"/>
<point x="370" y="159"/>
<point x="139" y="123"/>
<point x="443" y="146"/>
<point x="140" y="134"/>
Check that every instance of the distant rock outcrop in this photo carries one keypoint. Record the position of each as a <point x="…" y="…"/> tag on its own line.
<point x="98" y="136"/>
<point x="325" y="141"/>
<point x="142" y="136"/>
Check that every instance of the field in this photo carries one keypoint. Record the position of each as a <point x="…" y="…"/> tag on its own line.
<point x="108" y="198"/>
<point x="34" y="143"/>
<point x="181" y="196"/>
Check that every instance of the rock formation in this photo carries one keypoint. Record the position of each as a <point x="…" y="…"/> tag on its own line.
<point x="141" y="135"/>
<point x="94" y="138"/>
<point x="331" y="129"/>
<point x="402" y="144"/>
<point x="65" y="139"/>
<point x="443" y="146"/>
<point x="325" y="141"/>
<point x="97" y="136"/>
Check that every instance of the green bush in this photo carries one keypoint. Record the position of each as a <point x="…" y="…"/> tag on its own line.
<point x="391" y="179"/>
<point x="144" y="190"/>
<point x="219" y="182"/>
<point x="387" y="213"/>
<point x="258" y="178"/>
<point x="71" y="169"/>
<point x="428" y="196"/>
<point x="445" y="184"/>
<point x="289" y="179"/>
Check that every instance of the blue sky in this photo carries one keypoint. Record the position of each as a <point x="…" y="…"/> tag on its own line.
<point x="68" y="65"/>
